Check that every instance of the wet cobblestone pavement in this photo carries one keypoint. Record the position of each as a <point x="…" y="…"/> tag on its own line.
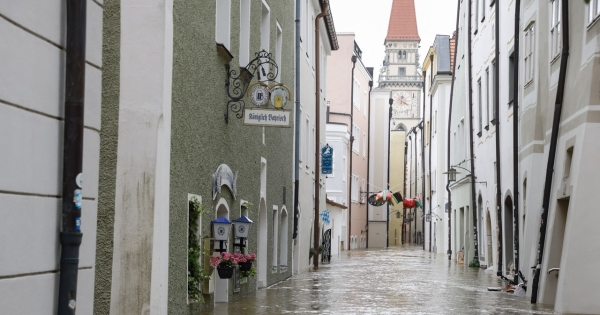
<point x="385" y="281"/>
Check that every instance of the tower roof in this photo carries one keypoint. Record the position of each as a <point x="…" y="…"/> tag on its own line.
<point x="403" y="21"/>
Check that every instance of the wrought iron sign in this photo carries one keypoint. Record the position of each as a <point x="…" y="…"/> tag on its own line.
<point x="237" y="83"/>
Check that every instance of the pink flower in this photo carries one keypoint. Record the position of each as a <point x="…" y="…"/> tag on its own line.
<point x="215" y="261"/>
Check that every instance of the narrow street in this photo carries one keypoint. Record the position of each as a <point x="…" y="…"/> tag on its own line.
<point x="398" y="280"/>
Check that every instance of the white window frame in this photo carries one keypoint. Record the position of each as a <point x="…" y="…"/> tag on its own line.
<point x="528" y="62"/>
<point x="278" y="50"/>
<point x="356" y="142"/>
<point x="480" y="105"/>
<point x="307" y="142"/>
<point x="555" y="20"/>
<point x="244" y="57"/>
<point x="223" y="23"/>
<point x="487" y="97"/>
<point x="265" y="32"/>
<point x="356" y="94"/>
<point x="364" y="145"/>
<point x="593" y="9"/>
<point x="476" y="17"/>
<point x="483" y="10"/>
<point x="354" y="192"/>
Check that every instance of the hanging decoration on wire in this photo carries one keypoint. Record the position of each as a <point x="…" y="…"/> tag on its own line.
<point x="412" y="202"/>
<point x="268" y="97"/>
<point x="325" y="216"/>
<point x="380" y="198"/>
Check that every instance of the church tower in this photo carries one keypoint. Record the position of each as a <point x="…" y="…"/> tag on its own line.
<point x="400" y="71"/>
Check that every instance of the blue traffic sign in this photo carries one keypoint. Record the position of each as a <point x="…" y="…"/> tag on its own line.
<point x="327" y="160"/>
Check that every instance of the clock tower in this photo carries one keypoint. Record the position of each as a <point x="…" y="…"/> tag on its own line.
<point x="400" y="71"/>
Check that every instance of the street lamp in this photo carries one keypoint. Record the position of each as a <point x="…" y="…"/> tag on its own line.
<point x="242" y="227"/>
<point x="221" y="227"/>
<point x="387" y="237"/>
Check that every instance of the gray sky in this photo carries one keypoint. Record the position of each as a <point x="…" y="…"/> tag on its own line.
<point x="368" y="19"/>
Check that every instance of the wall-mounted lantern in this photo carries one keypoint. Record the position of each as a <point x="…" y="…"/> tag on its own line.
<point x="451" y="174"/>
<point x="221" y="227"/>
<point x="242" y="227"/>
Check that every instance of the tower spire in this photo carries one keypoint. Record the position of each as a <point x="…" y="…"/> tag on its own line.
<point x="403" y="21"/>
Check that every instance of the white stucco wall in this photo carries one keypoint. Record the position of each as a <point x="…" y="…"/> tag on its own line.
<point x="31" y="122"/>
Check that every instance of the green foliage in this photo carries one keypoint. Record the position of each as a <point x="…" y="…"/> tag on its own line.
<point x="251" y="273"/>
<point x="196" y="274"/>
<point x="474" y="263"/>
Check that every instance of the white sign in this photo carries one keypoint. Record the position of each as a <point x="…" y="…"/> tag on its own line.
<point x="267" y="117"/>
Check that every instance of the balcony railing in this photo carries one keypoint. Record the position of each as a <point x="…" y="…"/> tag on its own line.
<point x="400" y="78"/>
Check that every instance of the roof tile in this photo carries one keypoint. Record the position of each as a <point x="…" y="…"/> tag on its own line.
<point x="403" y="21"/>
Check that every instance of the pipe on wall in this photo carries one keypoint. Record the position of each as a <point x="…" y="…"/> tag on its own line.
<point x="368" y="154"/>
<point x="562" y="76"/>
<point x="70" y="236"/>
<point x="497" y="120"/>
<point x="324" y="10"/>
<point x="353" y="59"/>
<point x="422" y="127"/>
<point x="430" y="145"/>
<point x="473" y="196"/>
<point x="298" y="123"/>
<point x="390" y="101"/>
<point x="449" y="208"/>
<point x="516" y="139"/>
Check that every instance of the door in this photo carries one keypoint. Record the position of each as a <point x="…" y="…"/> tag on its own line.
<point x="555" y="247"/>
<point x="326" y="255"/>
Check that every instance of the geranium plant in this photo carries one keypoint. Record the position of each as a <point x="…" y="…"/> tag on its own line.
<point x="225" y="260"/>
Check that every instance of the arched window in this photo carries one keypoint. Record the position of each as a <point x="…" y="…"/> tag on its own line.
<point x="283" y="235"/>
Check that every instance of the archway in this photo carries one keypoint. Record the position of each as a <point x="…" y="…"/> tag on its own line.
<point x="222" y="285"/>
<point x="508" y="235"/>
<point x="482" y="249"/>
<point x="283" y="238"/>
<point x="262" y="245"/>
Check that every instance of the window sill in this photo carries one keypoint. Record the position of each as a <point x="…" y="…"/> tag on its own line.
<point x="493" y="121"/>
<point x="555" y="58"/>
<point x="475" y="33"/>
<point x="487" y="127"/>
<point x="593" y="22"/>
<point x="482" y="19"/>
<point x="224" y="53"/>
<point x="479" y="134"/>
<point x="528" y="84"/>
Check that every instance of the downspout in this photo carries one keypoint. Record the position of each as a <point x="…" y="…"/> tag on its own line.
<point x="423" y="178"/>
<point x="368" y="153"/>
<point x="390" y="101"/>
<point x="497" y="119"/>
<point x="350" y="149"/>
<point x="70" y="235"/>
<point x="402" y="238"/>
<point x="298" y="122"/>
<point x="430" y="147"/>
<point x="475" y="261"/>
<point x="410" y="190"/>
<point x="553" y="142"/>
<point x="449" y="209"/>
<point x="516" y="139"/>
<point x="317" y="133"/>
<point x="416" y="181"/>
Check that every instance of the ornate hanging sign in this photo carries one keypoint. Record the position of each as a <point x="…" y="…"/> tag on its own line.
<point x="223" y="176"/>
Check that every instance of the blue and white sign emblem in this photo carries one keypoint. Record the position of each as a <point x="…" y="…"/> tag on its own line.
<point x="327" y="160"/>
<point x="259" y="95"/>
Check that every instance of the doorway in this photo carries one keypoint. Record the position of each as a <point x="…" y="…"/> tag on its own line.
<point x="488" y="239"/>
<point x="508" y="237"/>
<point x="222" y="285"/>
<point x="555" y="247"/>
<point x="262" y="245"/>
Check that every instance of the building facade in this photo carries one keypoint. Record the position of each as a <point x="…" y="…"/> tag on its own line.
<point x="348" y="102"/>
<point x="33" y="96"/>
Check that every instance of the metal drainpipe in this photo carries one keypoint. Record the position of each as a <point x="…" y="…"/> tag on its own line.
<point x="70" y="235"/>
<point x="353" y="59"/>
<point x="424" y="206"/>
<point x="405" y="188"/>
<point x="390" y="101"/>
<point x="416" y="179"/>
<point x="298" y="122"/>
<point x="423" y="179"/>
<point x="368" y="154"/>
<point x="553" y="142"/>
<point x="473" y="197"/>
<point x="317" y="133"/>
<point x="430" y="145"/>
<point x="497" y="119"/>
<point x="449" y="209"/>
<point x="410" y="190"/>
<point x="516" y="139"/>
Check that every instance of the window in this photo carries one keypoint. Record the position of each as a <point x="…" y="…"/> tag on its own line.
<point x="307" y="142"/>
<point x="483" y="11"/>
<point x="312" y="147"/>
<point x="244" y="32"/>
<point x="265" y="32"/>
<point x="364" y="145"/>
<point x="363" y="190"/>
<point x="435" y="122"/>
<point x="402" y="71"/>
<point x="493" y="92"/>
<point x="479" y="106"/>
<point x="278" y="50"/>
<point x="476" y="16"/>
<point x="529" y="46"/>
<point x="302" y="132"/>
<point x="354" y="195"/>
<point x="283" y="245"/>
<point x="312" y="42"/>
<point x="222" y="27"/>
<point x="511" y="78"/>
<point x="427" y="134"/>
<point x="344" y="167"/>
<point x="275" y="234"/>
<point x="593" y="10"/>
<point x="487" y="98"/>
<point x="555" y="40"/>
<point x="356" y="94"/>
<point x="356" y="136"/>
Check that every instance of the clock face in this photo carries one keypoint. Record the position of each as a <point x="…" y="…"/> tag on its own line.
<point x="241" y="229"/>
<point x="405" y="104"/>
<point x="221" y="231"/>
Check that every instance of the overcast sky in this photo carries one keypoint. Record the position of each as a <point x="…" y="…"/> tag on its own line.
<point x="368" y="19"/>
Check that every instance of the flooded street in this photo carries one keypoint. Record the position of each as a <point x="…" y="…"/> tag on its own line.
<point x="385" y="281"/>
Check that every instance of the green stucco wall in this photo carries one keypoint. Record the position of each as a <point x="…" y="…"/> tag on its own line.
<point x="108" y="154"/>
<point x="201" y="140"/>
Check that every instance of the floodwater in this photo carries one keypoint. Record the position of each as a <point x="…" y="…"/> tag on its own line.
<point x="397" y="280"/>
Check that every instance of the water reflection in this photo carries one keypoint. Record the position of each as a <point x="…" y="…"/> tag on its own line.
<point x="398" y="280"/>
